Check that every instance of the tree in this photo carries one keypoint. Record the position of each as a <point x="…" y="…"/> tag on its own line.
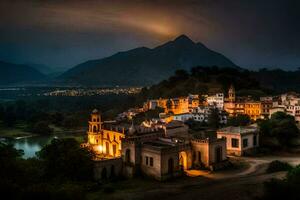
<point x="41" y="127"/>
<point x="71" y="122"/>
<point x="287" y="188"/>
<point x="57" y="118"/>
<point x="64" y="159"/>
<point x="239" y="120"/>
<point x="10" y="170"/>
<point x="9" y="118"/>
<point x="280" y="126"/>
<point x="1" y="112"/>
<point x="21" y="109"/>
<point x="214" y="118"/>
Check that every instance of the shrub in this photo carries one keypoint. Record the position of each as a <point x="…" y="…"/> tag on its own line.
<point x="277" y="166"/>
<point x="108" y="190"/>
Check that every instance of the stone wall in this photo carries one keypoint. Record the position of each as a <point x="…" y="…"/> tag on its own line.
<point x="107" y="169"/>
<point x="213" y="148"/>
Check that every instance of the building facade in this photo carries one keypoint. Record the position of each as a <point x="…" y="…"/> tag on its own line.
<point x="161" y="150"/>
<point x="240" y="140"/>
<point x="106" y="143"/>
<point x="242" y="106"/>
<point x="216" y="100"/>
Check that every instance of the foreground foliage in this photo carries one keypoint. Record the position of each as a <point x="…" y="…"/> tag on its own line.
<point x="287" y="188"/>
<point x="62" y="170"/>
<point x="277" y="166"/>
<point x="281" y="126"/>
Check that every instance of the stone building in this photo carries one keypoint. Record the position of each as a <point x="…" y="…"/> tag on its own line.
<point x="216" y="100"/>
<point x="235" y="106"/>
<point x="173" y="105"/>
<point x="163" y="158"/>
<point x="107" y="143"/>
<point x="240" y="140"/>
<point x="161" y="151"/>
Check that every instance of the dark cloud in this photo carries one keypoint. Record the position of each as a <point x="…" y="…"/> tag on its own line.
<point x="252" y="33"/>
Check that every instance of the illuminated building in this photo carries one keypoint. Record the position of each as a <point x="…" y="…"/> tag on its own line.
<point x="106" y="143"/>
<point x="216" y="100"/>
<point x="253" y="110"/>
<point x="173" y="105"/>
<point x="236" y="106"/>
<point x="157" y="149"/>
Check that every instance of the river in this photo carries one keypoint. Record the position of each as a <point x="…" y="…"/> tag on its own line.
<point x="31" y="145"/>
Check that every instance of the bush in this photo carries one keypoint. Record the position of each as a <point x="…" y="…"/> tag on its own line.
<point x="108" y="190"/>
<point x="277" y="166"/>
<point x="42" y="128"/>
<point x="287" y="188"/>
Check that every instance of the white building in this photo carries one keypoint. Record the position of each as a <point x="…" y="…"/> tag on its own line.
<point x="288" y="103"/>
<point x="201" y="114"/>
<point x="216" y="100"/>
<point x="182" y="117"/>
<point x="240" y="140"/>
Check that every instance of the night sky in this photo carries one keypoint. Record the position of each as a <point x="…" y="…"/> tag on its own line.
<point x="252" y="33"/>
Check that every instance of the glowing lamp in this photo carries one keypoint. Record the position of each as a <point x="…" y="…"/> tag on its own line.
<point x="99" y="148"/>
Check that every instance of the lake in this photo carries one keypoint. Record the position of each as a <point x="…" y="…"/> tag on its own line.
<point x="31" y="145"/>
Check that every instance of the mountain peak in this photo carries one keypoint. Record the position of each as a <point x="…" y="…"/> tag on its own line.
<point x="183" y="39"/>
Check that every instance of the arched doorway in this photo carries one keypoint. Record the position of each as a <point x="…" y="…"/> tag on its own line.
<point x="183" y="160"/>
<point x="170" y="166"/>
<point x="114" y="149"/>
<point x="112" y="172"/>
<point x="218" y="154"/>
<point x="107" y="148"/>
<point x="104" y="173"/>
<point x="94" y="129"/>
<point x="127" y="156"/>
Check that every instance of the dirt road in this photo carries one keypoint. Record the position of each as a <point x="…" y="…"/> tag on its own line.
<point x="245" y="184"/>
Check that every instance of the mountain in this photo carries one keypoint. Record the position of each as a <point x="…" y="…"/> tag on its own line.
<point x="51" y="72"/>
<point x="145" y="66"/>
<point x="19" y="74"/>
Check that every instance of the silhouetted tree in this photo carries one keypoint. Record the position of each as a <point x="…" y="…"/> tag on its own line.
<point x="239" y="120"/>
<point x="9" y="118"/>
<point x="213" y="118"/>
<point x="65" y="159"/>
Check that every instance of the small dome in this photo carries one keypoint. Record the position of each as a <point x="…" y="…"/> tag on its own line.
<point x="95" y="111"/>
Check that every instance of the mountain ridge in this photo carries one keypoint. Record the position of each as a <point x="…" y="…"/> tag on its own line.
<point x="11" y="73"/>
<point x="145" y="66"/>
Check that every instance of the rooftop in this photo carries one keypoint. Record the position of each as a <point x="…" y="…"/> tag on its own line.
<point x="238" y="130"/>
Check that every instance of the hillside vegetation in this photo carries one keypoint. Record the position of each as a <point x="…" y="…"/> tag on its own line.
<point x="204" y="80"/>
<point x="209" y="80"/>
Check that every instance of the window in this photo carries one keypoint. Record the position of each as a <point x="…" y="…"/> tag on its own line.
<point x="127" y="156"/>
<point x="254" y="140"/>
<point x="147" y="158"/>
<point x="245" y="142"/>
<point x="199" y="156"/>
<point x="151" y="161"/>
<point x="235" y="143"/>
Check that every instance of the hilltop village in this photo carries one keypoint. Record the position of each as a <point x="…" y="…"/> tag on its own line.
<point x="164" y="147"/>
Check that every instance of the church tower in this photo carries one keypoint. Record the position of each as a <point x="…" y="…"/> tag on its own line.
<point x="231" y="94"/>
<point x="95" y="124"/>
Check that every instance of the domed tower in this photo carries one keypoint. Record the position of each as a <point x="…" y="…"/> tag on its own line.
<point x="95" y="124"/>
<point x="231" y="94"/>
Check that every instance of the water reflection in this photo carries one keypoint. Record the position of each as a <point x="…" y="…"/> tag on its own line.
<point x="32" y="145"/>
